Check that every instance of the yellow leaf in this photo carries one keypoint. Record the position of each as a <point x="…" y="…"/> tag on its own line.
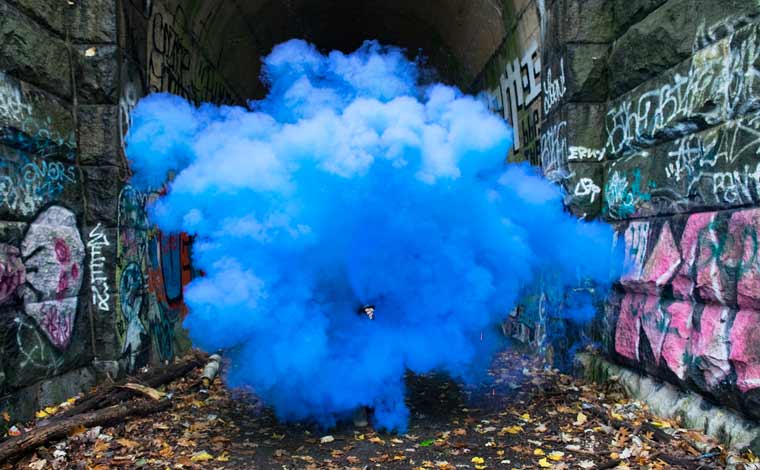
<point x="478" y="460"/>
<point x="556" y="456"/>
<point x="499" y="453"/>
<point x="360" y="437"/>
<point x="51" y="410"/>
<point x="513" y="429"/>
<point x="581" y="419"/>
<point x="525" y="417"/>
<point x="201" y="457"/>
<point x="661" y="424"/>
<point x="614" y="456"/>
<point x="543" y="463"/>
<point x="224" y="457"/>
<point x="539" y="452"/>
<point x="480" y="467"/>
<point x="41" y="414"/>
<point x="377" y="440"/>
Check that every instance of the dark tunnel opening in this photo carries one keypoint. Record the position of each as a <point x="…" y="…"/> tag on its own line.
<point x="210" y="51"/>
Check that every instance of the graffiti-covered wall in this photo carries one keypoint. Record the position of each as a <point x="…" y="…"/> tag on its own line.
<point x="88" y="287"/>
<point x="55" y="291"/>
<point x="649" y="120"/>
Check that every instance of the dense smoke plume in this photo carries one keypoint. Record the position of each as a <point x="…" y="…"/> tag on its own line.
<point x="353" y="184"/>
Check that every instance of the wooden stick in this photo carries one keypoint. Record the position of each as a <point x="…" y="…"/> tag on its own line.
<point x="15" y="447"/>
<point x="114" y="393"/>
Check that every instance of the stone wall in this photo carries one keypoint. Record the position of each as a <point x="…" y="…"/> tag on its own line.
<point x="87" y="286"/>
<point x="650" y="120"/>
<point x="681" y="176"/>
<point x="54" y="211"/>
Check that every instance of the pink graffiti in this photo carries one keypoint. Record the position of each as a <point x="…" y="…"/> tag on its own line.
<point x="53" y="254"/>
<point x="718" y="262"/>
<point x="745" y="349"/>
<point x="674" y="347"/>
<point x="650" y="276"/>
<point x="710" y="344"/>
<point x="12" y="273"/>
<point x="744" y="228"/>
<point x="57" y="325"/>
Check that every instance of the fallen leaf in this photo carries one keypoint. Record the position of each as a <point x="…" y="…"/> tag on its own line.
<point x="543" y="463"/>
<point x="513" y="429"/>
<point x="556" y="455"/>
<point x="128" y="443"/>
<point x="581" y="419"/>
<point x="77" y="430"/>
<point x="327" y="439"/>
<point x="201" y="456"/>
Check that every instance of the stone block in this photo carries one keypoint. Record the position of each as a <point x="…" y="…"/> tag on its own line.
<point x="28" y="184"/>
<point x="33" y="53"/>
<point x="101" y="185"/>
<point x="689" y="97"/>
<point x="99" y="140"/>
<point x="585" y="21"/>
<point x="92" y="21"/>
<point x="668" y="36"/>
<point x="97" y="74"/>
<point x="745" y="349"/>
<point x="583" y="188"/>
<point x="587" y="71"/>
<point x="629" y="12"/>
<point x="34" y="121"/>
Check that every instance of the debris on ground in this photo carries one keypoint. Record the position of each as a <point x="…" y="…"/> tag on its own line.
<point x="526" y="417"/>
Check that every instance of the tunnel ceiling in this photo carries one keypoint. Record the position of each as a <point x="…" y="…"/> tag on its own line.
<point x="458" y="36"/>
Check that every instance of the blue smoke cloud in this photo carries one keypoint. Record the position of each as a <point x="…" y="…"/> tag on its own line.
<point x="351" y="183"/>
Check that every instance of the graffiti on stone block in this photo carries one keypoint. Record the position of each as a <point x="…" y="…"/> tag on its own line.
<point x="176" y="63"/>
<point x="97" y="241"/>
<point x="694" y="293"/>
<point x="517" y="99"/>
<point x="152" y="270"/>
<point x="27" y="184"/>
<point x="53" y="254"/>
<point x="720" y="84"/>
<point x="554" y="151"/>
<point x="25" y="126"/>
<point x="554" y="88"/>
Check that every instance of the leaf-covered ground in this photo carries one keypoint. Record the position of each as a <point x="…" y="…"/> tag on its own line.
<point x="528" y="418"/>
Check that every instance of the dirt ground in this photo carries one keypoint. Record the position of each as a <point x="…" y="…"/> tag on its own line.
<point x="526" y="417"/>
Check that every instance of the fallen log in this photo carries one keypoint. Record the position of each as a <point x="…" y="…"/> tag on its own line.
<point x="15" y="447"/>
<point x="115" y="393"/>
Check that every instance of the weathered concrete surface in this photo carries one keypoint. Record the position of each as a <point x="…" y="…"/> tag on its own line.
<point x="668" y="401"/>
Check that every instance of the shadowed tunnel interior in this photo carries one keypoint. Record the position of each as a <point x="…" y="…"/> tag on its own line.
<point x="457" y="37"/>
